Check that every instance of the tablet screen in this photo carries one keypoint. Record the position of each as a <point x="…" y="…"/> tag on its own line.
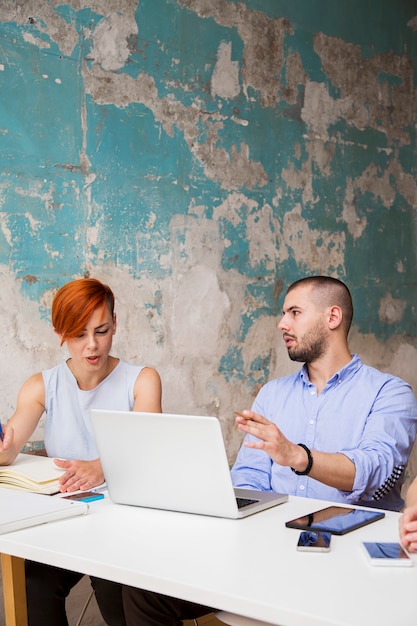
<point x="335" y="519"/>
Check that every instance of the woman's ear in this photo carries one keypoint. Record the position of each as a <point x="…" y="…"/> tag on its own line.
<point x="114" y="323"/>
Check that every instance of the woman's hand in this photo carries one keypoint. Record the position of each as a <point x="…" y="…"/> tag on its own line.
<point x="6" y="438"/>
<point x="408" y="528"/>
<point x="8" y="448"/>
<point x="81" y="475"/>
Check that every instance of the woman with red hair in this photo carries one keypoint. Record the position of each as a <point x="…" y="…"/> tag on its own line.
<point x="83" y="317"/>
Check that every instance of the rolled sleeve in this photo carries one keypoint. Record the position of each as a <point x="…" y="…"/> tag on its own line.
<point x="383" y="451"/>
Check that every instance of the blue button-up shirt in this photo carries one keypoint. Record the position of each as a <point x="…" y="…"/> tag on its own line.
<point x="368" y="415"/>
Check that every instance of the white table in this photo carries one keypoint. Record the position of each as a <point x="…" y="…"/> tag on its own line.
<point x="250" y="566"/>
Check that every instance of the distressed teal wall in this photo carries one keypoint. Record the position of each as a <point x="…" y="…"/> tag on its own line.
<point x="200" y="155"/>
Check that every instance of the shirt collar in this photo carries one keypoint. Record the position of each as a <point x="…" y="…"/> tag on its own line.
<point x="346" y="372"/>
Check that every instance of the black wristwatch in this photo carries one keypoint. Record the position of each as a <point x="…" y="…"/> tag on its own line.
<point x="309" y="464"/>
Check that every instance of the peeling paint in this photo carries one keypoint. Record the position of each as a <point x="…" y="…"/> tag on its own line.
<point x="263" y="39"/>
<point x="110" y="37"/>
<point x="356" y="225"/>
<point x="200" y="163"/>
<point x="232" y="169"/>
<point x="369" y="100"/>
<point x="391" y="309"/>
<point x="225" y="79"/>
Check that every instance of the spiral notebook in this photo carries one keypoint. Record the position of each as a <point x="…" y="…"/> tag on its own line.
<point x="173" y="462"/>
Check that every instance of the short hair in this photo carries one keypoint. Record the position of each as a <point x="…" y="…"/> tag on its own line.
<point x="74" y="304"/>
<point x="332" y="292"/>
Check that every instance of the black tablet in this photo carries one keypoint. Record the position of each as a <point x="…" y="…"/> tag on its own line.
<point x="337" y="520"/>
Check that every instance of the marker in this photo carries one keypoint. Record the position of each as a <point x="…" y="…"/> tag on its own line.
<point x="1" y="432"/>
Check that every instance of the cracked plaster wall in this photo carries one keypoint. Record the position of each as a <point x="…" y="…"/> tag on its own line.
<point x="200" y="155"/>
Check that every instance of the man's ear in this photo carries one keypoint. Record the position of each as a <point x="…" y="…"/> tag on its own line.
<point x="335" y="317"/>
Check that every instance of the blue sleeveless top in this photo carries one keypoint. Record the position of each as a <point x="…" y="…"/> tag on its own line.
<point x="68" y="430"/>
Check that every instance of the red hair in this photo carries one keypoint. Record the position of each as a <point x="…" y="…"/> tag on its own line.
<point x="74" y="304"/>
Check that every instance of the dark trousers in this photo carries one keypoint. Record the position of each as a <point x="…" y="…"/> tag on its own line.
<point x="47" y="588"/>
<point x="146" y="608"/>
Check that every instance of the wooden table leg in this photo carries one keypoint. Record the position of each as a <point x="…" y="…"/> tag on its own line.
<point x="14" y="590"/>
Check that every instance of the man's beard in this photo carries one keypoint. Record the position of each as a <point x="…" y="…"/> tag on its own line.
<point x="311" y="347"/>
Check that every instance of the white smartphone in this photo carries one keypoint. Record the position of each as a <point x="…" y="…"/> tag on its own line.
<point x="314" y="541"/>
<point x="386" y="553"/>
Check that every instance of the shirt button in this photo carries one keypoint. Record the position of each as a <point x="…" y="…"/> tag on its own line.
<point x="301" y="487"/>
<point x="311" y="422"/>
<point x="313" y="393"/>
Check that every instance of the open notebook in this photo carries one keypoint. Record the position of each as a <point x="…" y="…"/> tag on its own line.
<point x="174" y="462"/>
<point x="31" y="473"/>
<point x="21" y="509"/>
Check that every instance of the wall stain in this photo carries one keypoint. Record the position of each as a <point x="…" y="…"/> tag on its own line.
<point x="199" y="164"/>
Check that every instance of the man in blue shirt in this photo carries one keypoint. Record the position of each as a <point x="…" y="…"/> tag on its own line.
<point x="355" y="423"/>
<point x="337" y="430"/>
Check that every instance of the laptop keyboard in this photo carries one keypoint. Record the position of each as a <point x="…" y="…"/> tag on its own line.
<point x="241" y="502"/>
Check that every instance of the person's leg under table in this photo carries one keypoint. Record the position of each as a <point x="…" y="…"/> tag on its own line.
<point x="47" y="588"/>
<point x="146" y="608"/>
<point x="109" y="599"/>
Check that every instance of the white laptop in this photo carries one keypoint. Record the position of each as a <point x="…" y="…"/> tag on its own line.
<point x="173" y="462"/>
<point x="22" y="509"/>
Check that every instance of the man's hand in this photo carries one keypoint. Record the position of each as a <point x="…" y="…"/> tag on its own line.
<point x="82" y="475"/>
<point x="271" y="440"/>
<point x="333" y="469"/>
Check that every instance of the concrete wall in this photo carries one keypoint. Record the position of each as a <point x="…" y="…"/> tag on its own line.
<point x="200" y="155"/>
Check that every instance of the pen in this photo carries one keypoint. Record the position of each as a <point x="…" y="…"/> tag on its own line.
<point x="1" y="432"/>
